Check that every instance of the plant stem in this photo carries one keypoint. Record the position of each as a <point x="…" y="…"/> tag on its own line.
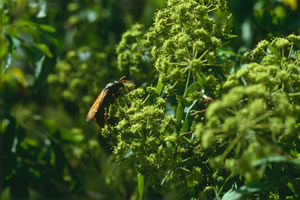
<point x="187" y="81"/>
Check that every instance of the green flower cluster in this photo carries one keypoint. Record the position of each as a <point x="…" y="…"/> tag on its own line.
<point x="259" y="115"/>
<point x="134" y="54"/>
<point x="146" y="139"/>
<point x="181" y="43"/>
<point x="142" y="130"/>
<point x="184" y="39"/>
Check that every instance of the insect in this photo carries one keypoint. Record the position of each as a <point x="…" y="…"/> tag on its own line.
<point x="108" y="95"/>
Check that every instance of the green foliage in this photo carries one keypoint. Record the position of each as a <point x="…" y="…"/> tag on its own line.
<point x="183" y="46"/>
<point x="77" y="77"/>
<point x="134" y="55"/>
<point x="260" y="19"/>
<point x="184" y="38"/>
<point x="146" y="138"/>
<point x="229" y="126"/>
<point x="259" y="115"/>
<point x="209" y="118"/>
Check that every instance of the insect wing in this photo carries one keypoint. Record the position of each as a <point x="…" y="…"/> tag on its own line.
<point x="93" y="110"/>
<point x="122" y="78"/>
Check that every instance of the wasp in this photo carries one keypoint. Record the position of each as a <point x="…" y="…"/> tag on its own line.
<point x="107" y="96"/>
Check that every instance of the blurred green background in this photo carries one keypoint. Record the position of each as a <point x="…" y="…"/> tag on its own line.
<point x="55" y="58"/>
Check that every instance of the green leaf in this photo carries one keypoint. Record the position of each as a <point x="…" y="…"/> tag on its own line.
<point x="166" y="177"/>
<point x="185" y="125"/>
<point x="74" y="135"/>
<point x="4" y="47"/>
<point x="11" y="42"/>
<point x="227" y="53"/>
<point x="230" y="36"/>
<point x="8" y="62"/>
<point x="179" y="113"/>
<point x="201" y="80"/>
<point x="187" y="111"/>
<point x="159" y="86"/>
<point x="47" y="28"/>
<point x="273" y="50"/>
<point x="50" y="125"/>
<point x="237" y="194"/>
<point x="39" y="65"/>
<point x="193" y="87"/>
<point x="268" y="160"/>
<point x="291" y="186"/>
<point x="232" y="195"/>
<point x="11" y="51"/>
<point x="26" y="26"/>
<point x="29" y="142"/>
<point x="4" y="125"/>
<point x="43" y="9"/>
<point x="44" y="48"/>
<point x="129" y="153"/>
<point x="275" y="159"/>
<point x="141" y="186"/>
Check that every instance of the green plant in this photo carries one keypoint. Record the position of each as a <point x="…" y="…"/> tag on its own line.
<point x="210" y="123"/>
<point x="204" y="122"/>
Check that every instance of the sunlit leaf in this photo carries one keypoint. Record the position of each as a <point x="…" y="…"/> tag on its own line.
<point x="50" y="124"/>
<point x="30" y="142"/>
<point x="166" y="177"/>
<point x="43" y="9"/>
<point x="4" y="125"/>
<point x="39" y="65"/>
<point x="238" y="194"/>
<point x="179" y="113"/>
<point x="230" y="36"/>
<point x="159" y="87"/>
<point x="30" y="25"/>
<point x="73" y="135"/>
<point x="8" y="62"/>
<point x="291" y="186"/>
<point x="45" y="49"/>
<point x="275" y="159"/>
<point x="129" y="153"/>
<point x="47" y="28"/>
